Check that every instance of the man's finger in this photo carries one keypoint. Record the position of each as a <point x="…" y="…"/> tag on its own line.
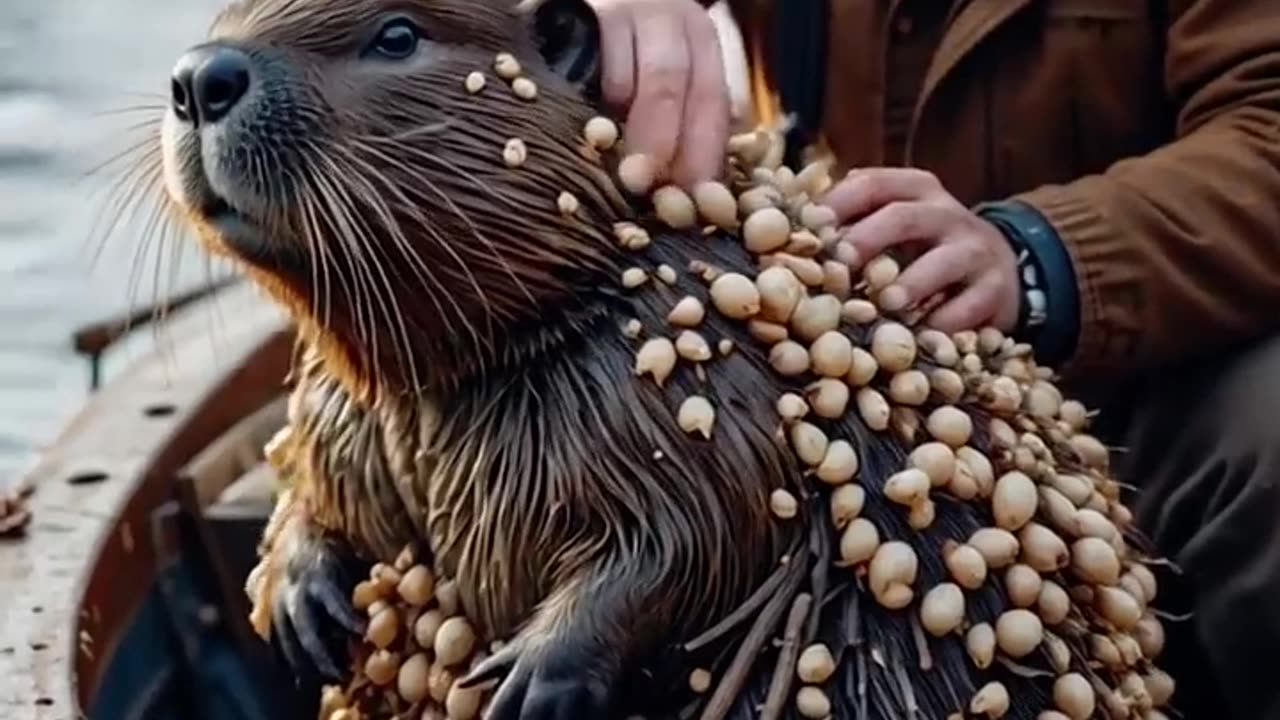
<point x="971" y="309"/>
<point x="617" y="40"/>
<point x="706" y="108"/>
<point x="866" y="190"/>
<point x="662" y="80"/>
<point x="896" y="223"/>
<point x="932" y="272"/>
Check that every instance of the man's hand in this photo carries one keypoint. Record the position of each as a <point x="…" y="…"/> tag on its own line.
<point x="889" y="207"/>
<point x="662" y="66"/>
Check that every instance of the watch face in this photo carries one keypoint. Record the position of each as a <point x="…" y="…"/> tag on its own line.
<point x="1030" y="278"/>
<point x="1035" y="298"/>
<point x="1037" y="306"/>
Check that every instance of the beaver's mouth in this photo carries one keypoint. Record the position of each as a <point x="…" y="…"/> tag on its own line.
<point x="252" y="242"/>
<point x="238" y="231"/>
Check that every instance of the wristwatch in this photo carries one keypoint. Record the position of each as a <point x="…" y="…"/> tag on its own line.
<point x="1033" y="310"/>
<point x="1049" y="311"/>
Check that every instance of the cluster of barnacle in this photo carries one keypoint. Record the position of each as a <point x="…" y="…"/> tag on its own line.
<point x="1057" y="540"/>
<point x="508" y="69"/>
<point x="416" y="646"/>
<point x="997" y="433"/>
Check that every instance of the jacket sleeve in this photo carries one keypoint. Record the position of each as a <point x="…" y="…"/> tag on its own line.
<point x="1178" y="252"/>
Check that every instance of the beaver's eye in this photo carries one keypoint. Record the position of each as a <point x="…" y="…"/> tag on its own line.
<point x="397" y="40"/>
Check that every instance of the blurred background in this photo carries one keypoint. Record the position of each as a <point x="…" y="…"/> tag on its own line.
<point x="68" y="69"/>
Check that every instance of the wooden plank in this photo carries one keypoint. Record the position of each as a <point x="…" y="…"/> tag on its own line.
<point x="78" y="575"/>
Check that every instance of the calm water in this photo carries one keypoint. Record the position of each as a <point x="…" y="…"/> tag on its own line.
<point x="64" y="66"/>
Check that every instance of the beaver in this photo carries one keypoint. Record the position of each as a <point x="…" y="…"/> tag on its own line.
<point x="491" y="369"/>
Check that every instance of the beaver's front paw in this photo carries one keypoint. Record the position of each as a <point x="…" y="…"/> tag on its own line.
<point x="312" y="618"/>
<point x="556" y="681"/>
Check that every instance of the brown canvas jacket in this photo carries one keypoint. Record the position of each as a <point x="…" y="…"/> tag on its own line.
<point x="1146" y="131"/>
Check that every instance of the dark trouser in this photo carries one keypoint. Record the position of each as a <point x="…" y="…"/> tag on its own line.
<point x="1202" y="445"/>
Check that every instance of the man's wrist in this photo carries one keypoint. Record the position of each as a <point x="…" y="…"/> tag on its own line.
<point x="1049" y="311"/>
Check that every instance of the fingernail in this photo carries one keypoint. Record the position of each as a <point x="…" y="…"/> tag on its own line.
<point x="847" y="254"/>
<point x="894" y="298"/>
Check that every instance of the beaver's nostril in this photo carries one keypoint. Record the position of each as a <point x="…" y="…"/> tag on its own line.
<point x="181" y="98"/>
<point x="220" y="83"/>
<point x="207" y="83"/>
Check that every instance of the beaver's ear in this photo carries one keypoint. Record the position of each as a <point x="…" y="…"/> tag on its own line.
<point x="568" y="35"/>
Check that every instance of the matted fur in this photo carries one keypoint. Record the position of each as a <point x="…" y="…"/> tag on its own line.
<point x="463" y="381"/>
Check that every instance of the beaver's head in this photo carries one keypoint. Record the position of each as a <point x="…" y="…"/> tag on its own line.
<point x="357" y="158"/>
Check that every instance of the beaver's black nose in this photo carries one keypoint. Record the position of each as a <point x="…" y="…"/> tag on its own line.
<point x="208" y="81"/>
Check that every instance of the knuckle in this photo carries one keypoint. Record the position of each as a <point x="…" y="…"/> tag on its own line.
<point x="665" y="75"/>
<point x="924" y="178"/>
<point x="868" y="187"/>
<point x="972" y="255"/>
<point x="903" y="218"/>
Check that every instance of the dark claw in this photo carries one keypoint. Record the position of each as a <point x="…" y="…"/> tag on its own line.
<point x="305" y="627"/>
<point x="314" y="620"/>
<point x="551" y="686"/>
<point x="285" y="643"/>
<point x="548" y="699"/>
<point x="338" y="605"/>
<point x="494" y="668"/>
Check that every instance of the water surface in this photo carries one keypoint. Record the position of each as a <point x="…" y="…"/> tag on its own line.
<point x="65" y="64"/>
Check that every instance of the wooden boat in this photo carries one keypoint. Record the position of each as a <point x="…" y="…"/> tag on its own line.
<point x="123" y="597"/>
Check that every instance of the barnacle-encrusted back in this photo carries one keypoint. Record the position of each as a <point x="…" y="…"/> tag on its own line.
<point x="965" y="552"/>
<point x="585" y="403"/>
<point x="974" y="537"/>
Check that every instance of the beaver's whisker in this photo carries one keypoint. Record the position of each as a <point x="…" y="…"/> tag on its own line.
<point x="498" y="257"/>
<point x="510" y="252"/>
<point x="141" y="182"/>
<point x="156" y="108"/>
<point x="334" y="219"/>
<point x="151" y="124"/>
<point x="456" y="253"/>
<point x="341" y="222"/>
<point x="150" y="144"/>
<point x="423" y="154"/>
<point x="137" y="263"/>
<point x="135" y="183"/>
<point x="347" y="219"/>
<point x="156" y="226"/>
<point x="432" y="129"/>
<point x="161" y="99"/>
<point x="322" y="250"/>
<point x="327" y="261"/>
<point x="405" y="247"/>
<point x="480" y="342"/>
<point x="169" y="237"/>
<point x="259" y="172"/>
<point x="379" y="264"/>
<point x="385" y="215"/>
<point x="424" y="276"/>
<point x="319" y="292"/>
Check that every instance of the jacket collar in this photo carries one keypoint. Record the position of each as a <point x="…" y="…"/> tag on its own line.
<point x="973" y="22"/>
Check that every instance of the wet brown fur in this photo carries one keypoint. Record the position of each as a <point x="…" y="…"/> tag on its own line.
<point x="476" y="392"/>
<point x="506" y="428"/>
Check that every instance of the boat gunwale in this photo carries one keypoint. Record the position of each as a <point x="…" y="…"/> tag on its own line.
<point x="87" y="560"/>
